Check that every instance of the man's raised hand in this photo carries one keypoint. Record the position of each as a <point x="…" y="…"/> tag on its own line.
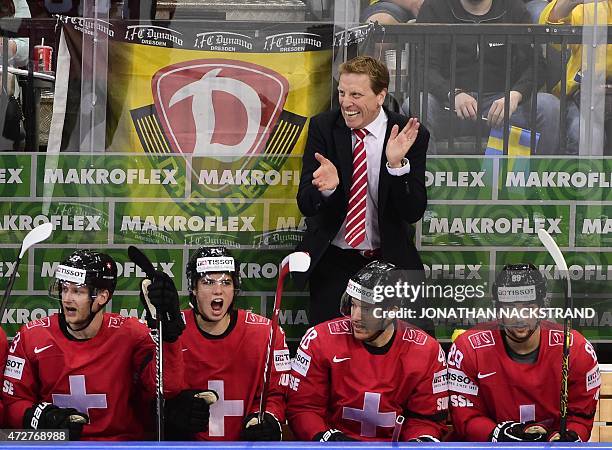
<point x="400" y="142"/>
<point x="326" y="176"/>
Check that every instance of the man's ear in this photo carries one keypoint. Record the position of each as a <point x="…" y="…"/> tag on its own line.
<point x="380" y="97"/>
<point x="102" y="298"/>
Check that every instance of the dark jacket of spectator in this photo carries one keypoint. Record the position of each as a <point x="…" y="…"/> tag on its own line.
<point x="502" y="11"/>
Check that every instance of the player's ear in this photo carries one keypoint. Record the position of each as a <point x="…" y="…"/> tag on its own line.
<point x="102" y="298"/>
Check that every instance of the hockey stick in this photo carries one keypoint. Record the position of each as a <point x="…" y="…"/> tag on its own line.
<point x="141" y="260"/>
<point x="294" y="262"/>
<point x="559" y="260"/>
<point x="35" y="236"/>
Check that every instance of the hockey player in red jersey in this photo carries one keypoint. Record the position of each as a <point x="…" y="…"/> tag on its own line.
<point x="224" y="349"/>
<point x="504" y="377"/>
<point x="3" y="352"/>
<point x="84" y="369"/>
<point x="352" y="377"/>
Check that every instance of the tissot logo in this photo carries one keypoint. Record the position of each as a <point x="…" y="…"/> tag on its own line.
<point x="218" y="107"/>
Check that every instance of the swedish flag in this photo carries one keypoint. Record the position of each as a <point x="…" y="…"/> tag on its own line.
<point x="518" y="142"/>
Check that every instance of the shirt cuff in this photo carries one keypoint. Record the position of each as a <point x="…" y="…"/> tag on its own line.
<point x="399" y="171"/>
<point x="327" y="192"/>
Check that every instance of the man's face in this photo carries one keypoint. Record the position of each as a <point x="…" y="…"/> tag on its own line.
<point x="214" y="293"/>
<point x="358" y="102"/>
<point x="365" y="325"/>
<point x="77" y="303"/>
<point x="520" y="327"/>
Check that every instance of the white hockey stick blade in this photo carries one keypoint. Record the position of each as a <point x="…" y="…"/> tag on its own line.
<point x="38" y="234"/>
<point x="298" y="261"/>
<point x="553" y="249"/>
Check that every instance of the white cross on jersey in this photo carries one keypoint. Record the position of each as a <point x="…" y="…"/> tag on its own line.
<point x="222" y="408"/>
<point x="369" y="416"/>
<point x="78" y="397"/>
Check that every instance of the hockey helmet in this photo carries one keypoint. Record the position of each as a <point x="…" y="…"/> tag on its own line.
<point x="519" y="283"/>
<point x="85" y="268"/>
<point x="367" y="284"/>
<point x="212" y="260"/>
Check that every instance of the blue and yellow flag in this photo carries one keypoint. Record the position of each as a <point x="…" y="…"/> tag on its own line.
<point x="518" y="142"/>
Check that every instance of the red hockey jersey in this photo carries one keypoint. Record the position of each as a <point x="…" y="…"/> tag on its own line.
<point x="487" y="387"/>
<point x="105" y="377"/>
<point x="3" y="352"/>
<point x="232" y="365"/>
<point x="337" y="383"/>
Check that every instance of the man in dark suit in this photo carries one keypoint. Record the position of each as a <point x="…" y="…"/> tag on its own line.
<point x="350" y="222"/>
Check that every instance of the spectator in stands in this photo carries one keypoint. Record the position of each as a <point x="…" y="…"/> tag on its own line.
<point x="391" y="12"/>
<point x="12" y="134"/>
<point x="576" y="12"/>
<point x="466" y="88"/>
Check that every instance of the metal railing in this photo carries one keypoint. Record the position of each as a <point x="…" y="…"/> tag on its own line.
<point x="415" y="42"/>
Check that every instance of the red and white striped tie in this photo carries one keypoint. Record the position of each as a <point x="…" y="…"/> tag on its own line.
<point x="356" y="216"/>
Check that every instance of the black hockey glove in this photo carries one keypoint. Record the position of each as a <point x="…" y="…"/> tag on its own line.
<point x="331" y="435"/>
<point x="570" y="436"/>
<point x="424" y="438"/>
<point x="268" y="430"/>
<point x="45" y="416"/>
<point x="164" y="297"/>
<point x="518" y="432"/>
<point x="188" y="412"/>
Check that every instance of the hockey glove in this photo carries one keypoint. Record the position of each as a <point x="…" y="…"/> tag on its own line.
<point x="570" y="436"/>
<point x="164" y="297"/>
<point x="268" y="430"/>
<point x="189" y="411"/>
<point x="331" y="435"/>
<point x="424" y="438"/>
<point x="45" y="416"/>
<point x="518" y="432"/>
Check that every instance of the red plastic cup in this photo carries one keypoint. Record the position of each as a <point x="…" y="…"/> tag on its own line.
<point x="42" y="57"/>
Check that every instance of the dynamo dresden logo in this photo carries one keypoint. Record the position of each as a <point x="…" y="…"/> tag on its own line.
<point x="217" y="107"/>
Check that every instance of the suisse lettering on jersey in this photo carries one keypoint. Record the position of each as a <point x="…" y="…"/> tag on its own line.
<point x="44" y="322"/>
<point x="340" y="327"/>
<point x="555" y="337"/>
<point x="416" y="336"/>
<point x="482" y="339"/>
<point x="255" y="319"/>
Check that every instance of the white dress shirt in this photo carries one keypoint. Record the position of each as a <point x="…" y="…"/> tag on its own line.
<point x="374" y="146"/>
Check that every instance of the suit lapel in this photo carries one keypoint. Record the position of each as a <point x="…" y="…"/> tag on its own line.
<point x="344" y="147"/>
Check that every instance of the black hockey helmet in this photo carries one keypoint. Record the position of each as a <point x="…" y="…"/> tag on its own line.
<point x="362" y="286"/>
<point x="519" y="283"/>
<point x="86" y="268"/>
<point x="211" y="260"/>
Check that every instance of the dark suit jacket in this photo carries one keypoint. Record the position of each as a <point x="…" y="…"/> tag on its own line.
<point x="401" y="199"/>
